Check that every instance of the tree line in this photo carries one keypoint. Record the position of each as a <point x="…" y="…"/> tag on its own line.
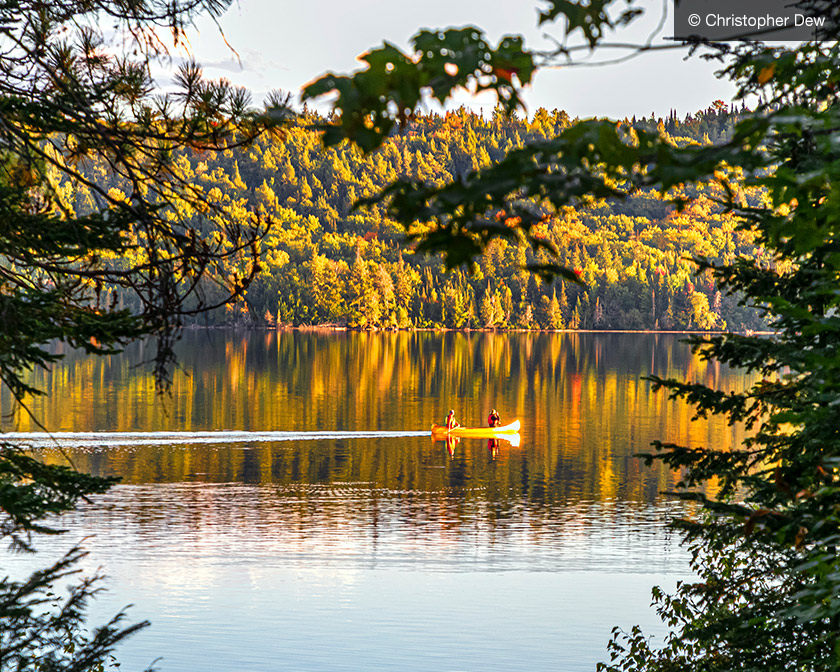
<point x="326" y="262"/>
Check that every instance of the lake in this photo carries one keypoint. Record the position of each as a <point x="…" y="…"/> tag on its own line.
<point x="284" y="507"/>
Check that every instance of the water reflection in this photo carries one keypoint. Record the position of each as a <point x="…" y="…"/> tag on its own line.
<point x="287" y="502"/>
<point x="584" y="408"/>
<point x="357" y="523"/>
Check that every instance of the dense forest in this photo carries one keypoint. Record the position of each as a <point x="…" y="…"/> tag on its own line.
<point x="326" y="262"/>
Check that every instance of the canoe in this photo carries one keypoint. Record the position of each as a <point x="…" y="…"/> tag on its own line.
<point x="483" y="432"/>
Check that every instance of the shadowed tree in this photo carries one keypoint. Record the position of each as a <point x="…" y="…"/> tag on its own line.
<point x="765" y="545"/>
<point x="75" y="97"/>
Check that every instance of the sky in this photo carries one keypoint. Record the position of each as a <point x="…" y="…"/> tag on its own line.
<point x="283" y="44"/>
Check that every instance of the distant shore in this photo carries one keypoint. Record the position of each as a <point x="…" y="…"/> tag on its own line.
<point x="340" y="328"/>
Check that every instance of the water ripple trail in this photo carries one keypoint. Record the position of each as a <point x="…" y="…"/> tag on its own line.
<point x="113" y="439"/>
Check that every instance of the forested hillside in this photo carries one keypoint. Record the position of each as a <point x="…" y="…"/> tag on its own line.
<point x="326" y="263"/>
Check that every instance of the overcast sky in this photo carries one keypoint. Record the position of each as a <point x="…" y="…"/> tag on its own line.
<point x="283" y="44"/>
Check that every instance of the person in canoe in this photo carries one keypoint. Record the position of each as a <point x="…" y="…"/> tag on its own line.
<point x="450" y="422"/>
<point x="493" y="420"/>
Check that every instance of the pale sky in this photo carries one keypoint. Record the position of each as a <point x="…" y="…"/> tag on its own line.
<point x="285" y="44"/>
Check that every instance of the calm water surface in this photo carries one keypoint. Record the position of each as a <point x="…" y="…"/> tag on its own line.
<point x="285" y="509"/>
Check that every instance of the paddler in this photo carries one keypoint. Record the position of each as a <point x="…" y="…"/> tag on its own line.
<point x="493" y="420"/>
<point x="451" y="423"/>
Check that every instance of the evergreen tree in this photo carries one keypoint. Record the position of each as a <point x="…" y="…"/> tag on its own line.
<point x="563" y="303"/>
<point x="95" y="261"/>
<point x="765" y="549"/>
<point x="555" y="316"/>
<point x="491" y="312"/>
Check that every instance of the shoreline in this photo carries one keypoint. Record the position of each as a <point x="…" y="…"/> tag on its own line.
<point x="479" y="330"/>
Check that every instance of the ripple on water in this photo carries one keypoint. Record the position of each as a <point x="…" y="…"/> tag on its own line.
<point x="358" y="523"/>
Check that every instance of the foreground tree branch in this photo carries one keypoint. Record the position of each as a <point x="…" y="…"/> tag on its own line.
<point x="102" y="241"/>
<point x="765" y="546"/>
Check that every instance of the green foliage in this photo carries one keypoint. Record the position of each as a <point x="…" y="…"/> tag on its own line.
<point x="100" y="243"/>
<point x="31" y="491"/>
<point x="42" y="633"/>
<point x="633" y="254"/>
<point x="765" y="548"/>
<point x="591" y="18"/>
<point x="440" y="62"/>
<point x="90" y="195"/>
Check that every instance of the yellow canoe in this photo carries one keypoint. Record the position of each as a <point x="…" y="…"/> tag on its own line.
<point x="481" y="432"/>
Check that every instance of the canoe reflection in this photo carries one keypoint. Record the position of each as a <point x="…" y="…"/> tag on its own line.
<point x="493" y="445"/>
<point x="451" y="443"/>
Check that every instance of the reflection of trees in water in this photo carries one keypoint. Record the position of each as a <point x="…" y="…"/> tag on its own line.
<point x="318" y="521"/>
<point x="584" y="409"/>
